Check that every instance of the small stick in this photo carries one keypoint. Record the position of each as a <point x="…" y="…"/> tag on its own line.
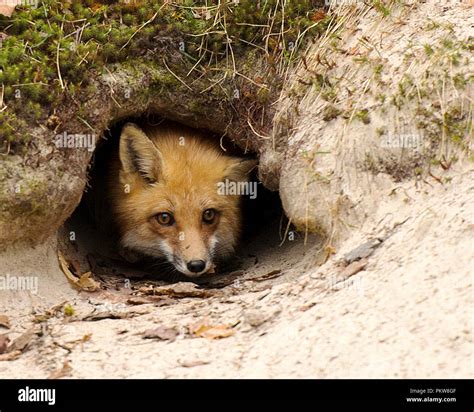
<point x="58" y="68"/>
<point x="140" y="28"/>
<point x="253" y="130"/>
<point x="175" y="75"/>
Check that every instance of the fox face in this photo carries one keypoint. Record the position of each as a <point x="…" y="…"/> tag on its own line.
<point x="165" y="197"/>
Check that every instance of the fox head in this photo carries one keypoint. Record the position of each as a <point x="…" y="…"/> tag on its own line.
<point x="168" y="204"/>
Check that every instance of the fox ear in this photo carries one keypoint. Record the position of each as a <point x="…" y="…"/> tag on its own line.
<point x="239" y="169"/>
<point x="138" y="154"/>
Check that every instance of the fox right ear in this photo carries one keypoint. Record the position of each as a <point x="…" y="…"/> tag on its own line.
<point x="138" y="154"/>
<point x="239" y="169"/>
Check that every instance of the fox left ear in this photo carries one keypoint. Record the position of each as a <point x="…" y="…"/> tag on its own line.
<point x="240" y="169"/>
<point x="138" y="154"/>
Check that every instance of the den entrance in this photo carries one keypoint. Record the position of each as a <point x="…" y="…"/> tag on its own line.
<point x="269" y="249"/>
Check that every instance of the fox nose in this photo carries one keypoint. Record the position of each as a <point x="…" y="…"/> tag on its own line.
<point x="196" y="266"/>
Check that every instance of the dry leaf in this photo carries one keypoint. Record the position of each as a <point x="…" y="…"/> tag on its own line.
<point x="182" y="290"/>
<point x="10" y="356"/>
<point x="49" y="313"/>
<point x="156" y="300"/>
<point x="109" y="314"/>
<point x="65" y="268"/>
<point x="270" y="275"/>
<point x="23" y="341"/>
<point x="353" y="268"/>
<point x="192" y="363"/>
<point x="70" y="345"/>
<point x="138" y="300"/>
<point x="5" y="321"/>
<point x="204" y="330"/>
<point x="318" y="15"/>
<point x="86" y="338"/>
<point x="84" y="282"/>
<point x="63" y="371"/>
<point x="4" y="341"/>
<point x="88" y="283"/>
<point x="106" y="314"/>
<point x="76" y="266"/>
<point x="362" y="251"/>
<point x="178" y="290"/>
<point x="145" y="290"/>
<point x="7" y="10"/>
<point x="161" y="333"/>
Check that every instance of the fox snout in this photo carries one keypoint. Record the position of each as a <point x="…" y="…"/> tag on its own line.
<point x="190" y="255"/>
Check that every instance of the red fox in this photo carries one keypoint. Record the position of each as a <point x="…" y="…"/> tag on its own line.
<point x="164" y="198"/>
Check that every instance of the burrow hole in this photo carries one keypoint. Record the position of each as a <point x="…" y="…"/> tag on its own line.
<point x="270" y="249"/>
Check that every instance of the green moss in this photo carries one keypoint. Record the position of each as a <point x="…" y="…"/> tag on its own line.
<point x="331" y="112"/>
<point x="69" y="310"/>
<point x="381" y="7"/>
<point x="406" y="87"/>
<point x="378" y="71"/>
<point x="9" y="125"/>
<point x="363" y="116"/>
<point x="432" y="25"/>
<point x="361" y="60"/>
<point x="428" y="49"/>
<point x="460" y="80"/>
<point x="381" y="131"/>
<point x="329" y="94"/>
<point x="56" y="49"/>
<point x="454" y="124"/>
<point x="25" y="198"/>
<point x="381" y="97"/>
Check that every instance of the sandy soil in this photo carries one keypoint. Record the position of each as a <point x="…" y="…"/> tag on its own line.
<point x="403" y="312"/>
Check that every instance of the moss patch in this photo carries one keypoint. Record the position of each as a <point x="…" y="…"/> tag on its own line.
<point x="51" y="55"/>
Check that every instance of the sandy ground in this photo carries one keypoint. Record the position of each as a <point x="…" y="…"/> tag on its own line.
<point x="403" y="312"/>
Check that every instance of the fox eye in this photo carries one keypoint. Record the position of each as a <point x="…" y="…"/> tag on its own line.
<point x="165" y="219"/>
<point x="209" y="215"/>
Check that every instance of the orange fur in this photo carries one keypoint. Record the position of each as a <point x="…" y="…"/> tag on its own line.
<point x="175" y="170"/>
